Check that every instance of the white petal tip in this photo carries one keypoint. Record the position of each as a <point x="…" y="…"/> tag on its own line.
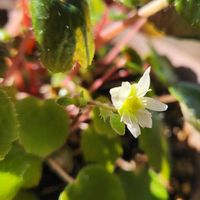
<point x="166" y="107"/>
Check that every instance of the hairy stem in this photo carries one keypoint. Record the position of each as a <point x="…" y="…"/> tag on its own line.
<point x="102" y="105"/>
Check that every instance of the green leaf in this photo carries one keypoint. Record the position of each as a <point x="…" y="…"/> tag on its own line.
<point x="63" y="30"/>
<point x="94" y="182"/>
<point x="143" y="185"/>
<point x="162" y="68"/>
<point x="17" y="170"/>
<point x="8" y="124"/>
<point x="10" y="185"/>
<point x="4" y="36"/>
<point x="26" y="195"/>
<point x="44" y="125"/>
<point x="116" y="124"/>
<point x="102" y="127"/>
<point x="100" y="148"/>
<point x="188" y="94"/>
<point x="155" y="145"/>
<point x="173" y="24"/>
<point x="66" y="100"/>
<point x="189" y="9"/>
<point x="105" y="113"/>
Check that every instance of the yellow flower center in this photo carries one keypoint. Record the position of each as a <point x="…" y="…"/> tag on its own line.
<point x="132" y="104"/>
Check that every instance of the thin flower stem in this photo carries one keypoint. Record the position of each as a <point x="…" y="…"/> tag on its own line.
<point x="61" y="172"/>
<point x="102" y="105"/>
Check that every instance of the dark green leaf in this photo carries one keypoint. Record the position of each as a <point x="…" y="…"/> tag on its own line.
<point x="162" y="68"/>
<point x="171" y="23"/>
<point x="188" y="94"/>
<point x="44" y="125"/>
<point x="26" y="195"/>
<point x="63" y="30"/>
<point x="100" y="148"/>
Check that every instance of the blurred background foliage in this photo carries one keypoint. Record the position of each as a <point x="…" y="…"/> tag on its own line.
<point x="58" y="137"/>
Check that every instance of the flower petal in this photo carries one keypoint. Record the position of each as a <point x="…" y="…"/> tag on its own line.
<point x="153" y="104"/>
<point x="119" y="94"/>
<point x="144" y="83"/>
<point x="144" y="118"/>
<point x="134" y="129"/>
<point x="132" y="125"/>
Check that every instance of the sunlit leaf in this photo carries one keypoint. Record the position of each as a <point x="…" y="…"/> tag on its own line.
<point x="97" y="8"/>
<point x="43" y="125"/>
<point x="17" y="170"/>
<point x="63" y="30"/>
<point x="10" y="185"/>
<point x="94" y="182"/>
<point x="145" y="184"/>
<point x="100" y="148"/>
<point x="8" y="124"/>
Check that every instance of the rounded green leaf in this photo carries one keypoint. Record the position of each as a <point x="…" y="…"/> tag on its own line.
<point x="100" y="149"/>
<point x="188" y="94"/>
<point x="10" y="185"/>
<point x="8" y="124"/>
<point x="18" y="170"/>
<point x="102" y="126"/>
<point x="144" y="185"/>
<point x="43" y="125"/>
<point x="155" y="145"/>
<point x="63" y="30"/>
<point x="116" y="124"/>
<point x="94" y="182"/>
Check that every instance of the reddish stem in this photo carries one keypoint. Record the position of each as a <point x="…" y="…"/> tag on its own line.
<point x="18" y="62"/>
<point x="116" y="50"/>
<point x="115" y="28"/>
<point x="26" y="16"/>
<point x="99" y="82"/>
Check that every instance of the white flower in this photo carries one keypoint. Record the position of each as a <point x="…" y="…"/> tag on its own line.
<point x="133" y="107"/>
